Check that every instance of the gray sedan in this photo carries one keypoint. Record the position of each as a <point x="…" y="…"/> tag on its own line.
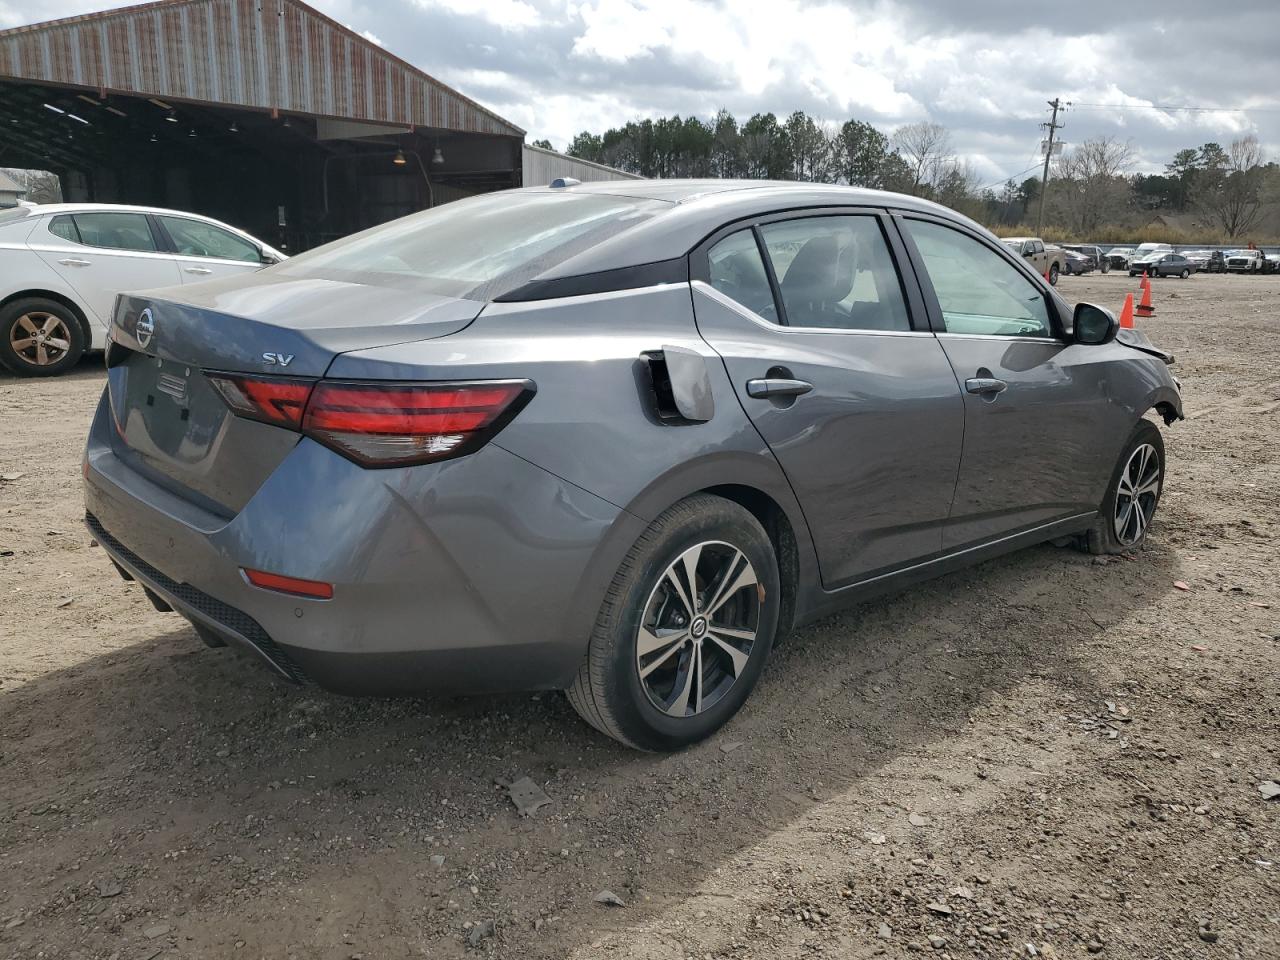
<point x="1163" y="265"/>
<point x="617" y="439"/>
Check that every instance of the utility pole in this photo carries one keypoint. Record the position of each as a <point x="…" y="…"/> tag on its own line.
<point x="1053" y="126"/>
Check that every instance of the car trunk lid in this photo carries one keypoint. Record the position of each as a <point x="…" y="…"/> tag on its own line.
<point x="173" y="426"/>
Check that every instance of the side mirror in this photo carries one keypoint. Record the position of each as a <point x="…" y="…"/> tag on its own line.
<point x="268" y="259"/>
<point x="1029" y="254"/>
<point x="1093" y="325"/>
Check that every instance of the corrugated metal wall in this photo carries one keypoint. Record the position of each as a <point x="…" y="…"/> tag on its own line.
<point x="255" y="53"/>
<point x="542" y="166"/>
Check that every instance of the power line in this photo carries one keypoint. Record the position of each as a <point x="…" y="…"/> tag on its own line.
<point x="1013" y="176"/>
<point x="1169" y="108"/>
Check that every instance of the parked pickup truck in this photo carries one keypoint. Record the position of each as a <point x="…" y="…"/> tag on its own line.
<point x="1046" y="260"/>
<point x="1246" y="261"/>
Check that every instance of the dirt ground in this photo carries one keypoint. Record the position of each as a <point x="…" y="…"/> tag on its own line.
<point x="1045" y="755"/>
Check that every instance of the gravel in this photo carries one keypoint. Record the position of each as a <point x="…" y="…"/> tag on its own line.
<point x="229" y="808"/>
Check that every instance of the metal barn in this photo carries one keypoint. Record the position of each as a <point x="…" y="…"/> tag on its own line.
<point x="264" y="113"/>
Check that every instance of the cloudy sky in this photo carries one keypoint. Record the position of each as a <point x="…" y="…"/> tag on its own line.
<point x="983" y="68"/>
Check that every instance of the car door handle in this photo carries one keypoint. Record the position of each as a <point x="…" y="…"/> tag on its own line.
<point x="75" y="262"/>
<point x="777" y="387"/>
<point x="985" y="385"/>
<point x="203" y="271"/>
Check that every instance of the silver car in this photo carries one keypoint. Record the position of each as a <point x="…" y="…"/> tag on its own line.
<point x="617" y="439"/>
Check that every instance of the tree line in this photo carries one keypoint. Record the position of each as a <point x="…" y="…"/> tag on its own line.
<point x="1229" y="192"/>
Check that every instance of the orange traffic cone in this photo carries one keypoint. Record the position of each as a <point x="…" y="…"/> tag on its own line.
<point x="1145" y="309"/>
<point x="1126" y="315"/>
<point x="1145" y="282"/>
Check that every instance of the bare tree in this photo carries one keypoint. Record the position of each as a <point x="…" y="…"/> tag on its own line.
<point x="957" y="186"/>
<point x="1230" y="192"/>
<point x="1090" y="183"/>
<point x="41" y="185"/>
<point x="926" y="147"/>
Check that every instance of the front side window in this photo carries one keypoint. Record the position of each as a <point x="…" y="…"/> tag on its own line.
<point x="192" y="238"/>
<point x="738" y="272"/>
<point x="479" y="248"/>
<point x="118" y="231"/>
<point x="978" y="290"/>
<point x="836" y="272"/>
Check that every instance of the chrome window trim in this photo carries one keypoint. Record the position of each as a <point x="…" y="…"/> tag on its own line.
<point x="1000" y="336"/>
<point x="703" y="287"/>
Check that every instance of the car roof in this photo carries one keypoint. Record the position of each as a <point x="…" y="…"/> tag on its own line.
<point x="45" y="208"/>
<point x="53" y="209"/>
<point x="698" y="208"/>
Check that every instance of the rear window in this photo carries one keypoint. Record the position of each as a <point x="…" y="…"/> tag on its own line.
<point x="479" y="248"/>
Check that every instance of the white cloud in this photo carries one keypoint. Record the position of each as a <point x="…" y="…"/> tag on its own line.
<point x="507" y="14"/>
<point x="984" y="70"/>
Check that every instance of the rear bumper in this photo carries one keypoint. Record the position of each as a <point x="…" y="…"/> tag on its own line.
<point x="467" y="576"/>
<point x="228" y="623"/>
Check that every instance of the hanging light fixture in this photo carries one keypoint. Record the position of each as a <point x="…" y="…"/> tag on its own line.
<point x="172" y="116"/>
<point x="154" y="138"/>
<point x="233" y="128"/>
<point x="399" y="159"/>
<point x="191" y="132"/>
<point x="437" y="158"/>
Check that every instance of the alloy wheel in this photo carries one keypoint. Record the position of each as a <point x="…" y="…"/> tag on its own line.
<point x="698" y="628"/>
<point x="1136" y="494"/>
<point x="40" y="338"/>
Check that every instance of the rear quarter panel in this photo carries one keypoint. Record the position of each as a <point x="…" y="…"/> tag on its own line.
<point x="23" y="271"/>
<point x="592" y="421"/>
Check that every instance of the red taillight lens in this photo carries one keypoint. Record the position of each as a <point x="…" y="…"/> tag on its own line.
<point x="315" y="589"/>
<point x="384" y="425"/>
<point x="379" y="424"/>
<point x="275" y="400"/>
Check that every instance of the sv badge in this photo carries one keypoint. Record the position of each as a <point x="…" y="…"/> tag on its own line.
<point x="280" y="359"/>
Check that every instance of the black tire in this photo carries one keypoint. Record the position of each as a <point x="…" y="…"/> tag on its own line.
<point x="1185" y="273"/>
<point x="20" y="323"/>
<point x="608" y="691"/>
<point x="1053" y="275"/>
<point x="1102" y="538"/>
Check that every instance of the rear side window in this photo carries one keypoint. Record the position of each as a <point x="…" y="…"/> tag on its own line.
<point x="738" y="272"/>
<point x="65" y="227"/>
<point x="194" y="238"/>
<point x="479" y="248"/>
<point x="836" y="273"/>
<point x="118" y="231"/>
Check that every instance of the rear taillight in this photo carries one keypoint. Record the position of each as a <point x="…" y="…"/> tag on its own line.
<point x="380" y="424"/>
<point x="275" y="400"/>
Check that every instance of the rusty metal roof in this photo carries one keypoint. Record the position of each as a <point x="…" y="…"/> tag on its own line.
<point x="267" y="54"/>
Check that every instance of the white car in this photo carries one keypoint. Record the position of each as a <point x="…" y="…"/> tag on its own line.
<point x="62" y="264"/>
<point x="1245" y="261"/>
